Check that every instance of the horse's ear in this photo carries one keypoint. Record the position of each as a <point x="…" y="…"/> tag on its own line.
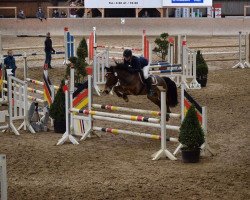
<point x="108" y="69"/>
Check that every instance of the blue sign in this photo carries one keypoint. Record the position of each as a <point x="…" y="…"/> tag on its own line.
<point x="187" y="1"/>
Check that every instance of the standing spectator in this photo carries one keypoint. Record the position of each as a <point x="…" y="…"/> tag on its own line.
<point x="55" y="14"/>
<point x="21" y="15"/>
<point x="40" y="14"/>
<point x="10" y="63"/>
<point x="145" y="14"/>
<point x="48" y="50"/>
<point x="72" y="11"/>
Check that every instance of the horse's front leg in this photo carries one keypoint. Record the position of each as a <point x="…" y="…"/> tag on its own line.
<point x="121" y="93"/>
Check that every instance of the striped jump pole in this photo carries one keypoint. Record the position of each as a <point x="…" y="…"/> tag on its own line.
<point x="134" y="110"/>
<point x="120" y="116"/>
<point x="134" y="133"/>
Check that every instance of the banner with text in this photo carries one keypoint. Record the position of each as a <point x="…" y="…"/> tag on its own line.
<point x="187" y="3"/>
<point x="123" y="3"/>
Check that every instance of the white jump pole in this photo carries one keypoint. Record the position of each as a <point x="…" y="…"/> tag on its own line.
<point x="163" y="152"/>
<point x="239" y="64"/>
<point x="3" y="177"/>
<point x="69" y="116"/>
<point x="1" y="47"/>
<point x="247" y="50"/>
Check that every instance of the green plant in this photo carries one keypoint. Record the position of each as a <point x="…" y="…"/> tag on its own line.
<point x="162" y="46"/>
<point x="201" y="65"/>
<point x="191" y="134"/>
<point x="79" y="62"/>
<point x="57" y="108"/>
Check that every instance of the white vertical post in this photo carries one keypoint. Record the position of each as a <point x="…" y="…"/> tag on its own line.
<point x="90" y="125"/>
<point x="171" y="55"/>
<point x="65" y="45"/>
<point x="179" y="47"/>
<point x="150" y="53"/>
<point x="1" y="47"/>
<point x="205" y="147"/>
<point x="3" y="177"/>
<point x="69" y="118"/>
<point x="163" y="152"/>
<point x="183" y="87"/>
<point x="71" y="91"/>
<point x="25" y="68"/>
<point x="88" y="59"/>
<point x="247" y="50"/>
<point x="95" y="63"/>
<point x="239" y="64"/>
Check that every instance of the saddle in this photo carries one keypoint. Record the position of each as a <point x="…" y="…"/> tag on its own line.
<point x="151" y="76"/>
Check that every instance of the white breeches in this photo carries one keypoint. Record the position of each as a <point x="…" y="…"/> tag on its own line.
<point x="145" y="71"/>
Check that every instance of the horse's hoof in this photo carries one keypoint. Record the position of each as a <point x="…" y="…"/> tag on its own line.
<point x="126" y="100"/>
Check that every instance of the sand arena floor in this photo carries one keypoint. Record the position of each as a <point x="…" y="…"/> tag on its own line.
<point x="119" y="167"/>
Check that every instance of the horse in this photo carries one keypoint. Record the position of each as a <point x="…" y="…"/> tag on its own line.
<point x="125" y="83"/>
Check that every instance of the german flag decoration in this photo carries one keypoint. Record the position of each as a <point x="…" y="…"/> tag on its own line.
<point x="47" y="86"/>
<point x="188" y="101"/>
<point x="80" y="96"/>
<point x="80" y="101"/>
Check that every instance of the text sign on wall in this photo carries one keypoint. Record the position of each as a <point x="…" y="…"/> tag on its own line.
<point x="187" y="3"/>
<point x="123" y="3"/>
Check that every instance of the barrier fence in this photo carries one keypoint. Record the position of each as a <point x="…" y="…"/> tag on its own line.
<point x="86" y="116"/>
<point x="144" y="51"/>
<point x="242" y="52"/>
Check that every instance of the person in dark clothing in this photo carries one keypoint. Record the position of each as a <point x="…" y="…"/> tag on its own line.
<point x="21" y="15"/>
<point x="48" y="50"/>
<point x="40" y="14"/>
<point x="135" y="64"/>
<point x="10" y="63"/>
<point x="55" y="14"/>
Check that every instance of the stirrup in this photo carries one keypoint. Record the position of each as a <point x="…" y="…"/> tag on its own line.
<point x="151" y="93"/>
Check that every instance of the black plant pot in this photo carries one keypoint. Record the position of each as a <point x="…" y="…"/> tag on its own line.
<point x="59" y="126"/>
<point x="190" y="156"/>
<point x="202" y="80"/>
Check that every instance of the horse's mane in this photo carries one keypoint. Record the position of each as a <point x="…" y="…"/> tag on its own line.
<point x="119" y="66"/>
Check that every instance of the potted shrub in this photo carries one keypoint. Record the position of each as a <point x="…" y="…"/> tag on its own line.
<point x="161" y="48"/>
<point x="201" y="69"/>
<point x="57" y="111"/>
<point x="191" y="137"/>
<point x="79" y="62"/>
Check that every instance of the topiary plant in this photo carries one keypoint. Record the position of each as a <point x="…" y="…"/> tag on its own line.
<point x="191" y="134"/>
<point x="201" y="69"/>
<point x="162" y="46"/>
<point x="79" y="62"/>
<point x="57" y="108"/>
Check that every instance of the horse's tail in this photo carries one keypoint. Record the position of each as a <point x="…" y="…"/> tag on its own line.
<point x="172" y="95"/>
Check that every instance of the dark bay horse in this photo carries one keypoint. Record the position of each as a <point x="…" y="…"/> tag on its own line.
<point x="126" y="83"/>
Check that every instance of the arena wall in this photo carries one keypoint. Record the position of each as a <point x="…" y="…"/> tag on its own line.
<point x="132" y="26"/>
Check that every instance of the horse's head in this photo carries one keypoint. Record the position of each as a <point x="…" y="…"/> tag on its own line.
<point x="111" y="79"/>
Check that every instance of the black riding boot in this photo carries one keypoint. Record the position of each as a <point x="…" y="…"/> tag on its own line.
<point x="150" y="90"/>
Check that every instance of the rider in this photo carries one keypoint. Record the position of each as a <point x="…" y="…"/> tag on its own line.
<point x="135" y="64"/>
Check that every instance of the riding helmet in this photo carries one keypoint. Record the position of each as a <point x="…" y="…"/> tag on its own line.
<point x="127" y="53"/>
